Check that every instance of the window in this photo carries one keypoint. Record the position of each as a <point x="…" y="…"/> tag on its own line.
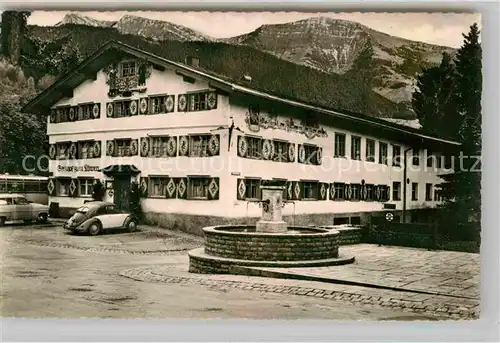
<point x="311" y="154"/>
<point x="122" y="147"/>
<point x="62" y="151"/>
<point x="310" y="190"/>
<point x="339" y="145"/>
<point x="157" y="105"/>
<point x="85" y="112"/>
<point x="20" y="201"/>
<point x="31" y="186"/>
<point x="396" y="191"/>
<point x="370" y="150"/>
<point x="414" y="191"/>
<point x="63" y="186"/>
<point x="448" y="162"/>
<point x="428" y="192"/>
<point x="121" y="109"/>
<point x="254" y="147"/>
<point x="62" y="114"/>
<point x="382" y="154"/>
<point x="198" y="188"/>
<point x="199" y="146"/>
<point x="252" y="189"/>
<point x="198" y="101"/>
<point x="86" y="149"/>
<point x="281" y="151"/>
<point x="128" y="69"/>
<point x="416" y="157"/>
<point x="356" y="148"/>
<point x="86" y="187"/>
<point x="384" y="192"/>
<point x="369" y="193"/>
<point x="3" y="186"/>
<point x="437" y="195"/>
<point x="15" y="186"/>
<point x="157" y="186"/>
<point x="430" y="158"/>
<point x="355" y="191"/>
<point x="159" y="146"/>
<point x="396" y="156"/>
<point x="339" y="190"/>
<point x="439" y="161"/>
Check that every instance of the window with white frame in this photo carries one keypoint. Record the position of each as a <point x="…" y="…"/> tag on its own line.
<point x="252" y="189"/>
<point x="254" y="147"/>
<point x="199" y="145"/>
<point x="428" y="192"/>
<point x="86" y="187"/>
<point x="414" y="191"/>
<point x="198" y="187"/>
<point x="85" y="149"/>
<point x="159" y="146"/>
<point x="430" y="158"/>
<point x="416" y="157"/>
<point x="122" y="147"/>
<point x="355" y="191"/>
<point x="382" y="154"/>
<point x="369" y="192"/>
<point x="339" y="145"/>
<point x="310" y="190"/>
<point x="128" y="69"/>
<point x="370" y="150"/>
<point x="157" y="186"/>
<point x="63" y="150"/>
<point x="356" y="148"/>
<point x="339" y="190"/>
<point x="157" y="105"/>
<point x="396" y="191"/>
<point x="63" y="187"/>
<point x="396" y="156"/>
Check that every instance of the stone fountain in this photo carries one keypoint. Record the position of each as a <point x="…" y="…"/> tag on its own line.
<point x="270" y="243"/>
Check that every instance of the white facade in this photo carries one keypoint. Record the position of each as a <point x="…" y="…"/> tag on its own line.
<point x="226" y="167"/>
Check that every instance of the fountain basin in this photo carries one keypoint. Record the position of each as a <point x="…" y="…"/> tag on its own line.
<point x="296" y="244"/>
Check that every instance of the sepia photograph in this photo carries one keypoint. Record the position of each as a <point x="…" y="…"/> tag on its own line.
<point x="240" y="165"/>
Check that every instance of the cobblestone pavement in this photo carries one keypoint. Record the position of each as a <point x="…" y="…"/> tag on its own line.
<point x="48" y="273"/>
<point x="436" y="272"/>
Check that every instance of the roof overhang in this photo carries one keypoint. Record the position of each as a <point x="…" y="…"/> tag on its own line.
<point x="120" y="169"/>
<point x="113" y="50"/>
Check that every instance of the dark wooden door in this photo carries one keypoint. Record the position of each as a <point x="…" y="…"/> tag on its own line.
<point x="121" y="189"/>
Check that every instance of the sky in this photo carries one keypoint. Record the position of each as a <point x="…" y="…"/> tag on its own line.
<point x="435" y="28"/>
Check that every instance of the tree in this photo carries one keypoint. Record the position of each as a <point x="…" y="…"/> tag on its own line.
<point x="434" y="100"/>
<point x="462" y="189"/>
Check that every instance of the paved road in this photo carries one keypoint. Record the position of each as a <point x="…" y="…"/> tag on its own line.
<point x="48" y="273"/>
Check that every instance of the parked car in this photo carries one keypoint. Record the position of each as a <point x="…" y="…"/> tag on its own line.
<point x="15" y="207"/>
<point x="96" y="216"/>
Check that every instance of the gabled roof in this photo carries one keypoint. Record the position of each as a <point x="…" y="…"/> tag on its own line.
<point x="107" y="54"/>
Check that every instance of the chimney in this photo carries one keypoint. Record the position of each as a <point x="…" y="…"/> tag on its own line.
<point x="193" y="61"/>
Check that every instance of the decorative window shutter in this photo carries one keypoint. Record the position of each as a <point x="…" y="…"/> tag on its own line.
<point x="377" y="190"/>
<point x="214" y="145"/>
<point x="289" y="190"/>
<point x="183" y="145"/>
<point x="182" y="103"/>
<point x="172" y="146"/>
<point x="211" y="98"/>
<point x="213" y="188"/>
<point x="143" y="106"/>
<point x="53" y="116"/>
<point x="96" y="149"/>
<point x="170" y="103"/>
<point x="73" y="187"/>
<point x="301" y="153"/>
<point x="73" y="150"/>
<point x="318" y="157"/>
<point x="96" y="111"/>
<point x="241" y="189"/>
<point x="143" y="186"/>
<point x="145" y="147"/>
<point x="332" y="191"/>
<point x="387" y="193"/>
<point x="72" y="113"/>
<point x="297" y="190"/>
<point x="51" y="186"/>
<point x="242" y="146"/>
<point x="347" y="191"/>
<point x="171" y="188"/>
<point x="323" y="191"/>
<point x="52" y="151"/>
<point x="182" y="187"/>
<point x="362" y="193"/>
<point x="291" y="152"/>
<point x="134" y="147"/>
<point x="110" y="148"/>
<point x="110" y="110"/>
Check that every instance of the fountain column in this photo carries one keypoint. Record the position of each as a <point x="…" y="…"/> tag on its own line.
<point x="272" y="200"/>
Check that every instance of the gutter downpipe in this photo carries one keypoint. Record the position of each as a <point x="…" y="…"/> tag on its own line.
<point x="405" y="165"/>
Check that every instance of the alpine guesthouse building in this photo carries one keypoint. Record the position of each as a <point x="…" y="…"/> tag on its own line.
<point x="199" y="146"/>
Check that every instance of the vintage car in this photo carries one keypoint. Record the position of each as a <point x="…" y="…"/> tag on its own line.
<point x="15" y="207"/>
<point x="96" y="216"/>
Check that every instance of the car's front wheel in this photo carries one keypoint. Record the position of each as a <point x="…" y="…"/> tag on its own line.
<point x="42" y="218"/>
<point x="132" y="225"/>
<point x="95" y="228"/>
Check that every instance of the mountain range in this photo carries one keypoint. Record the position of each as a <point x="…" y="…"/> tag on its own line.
<point x="326" y="44"/>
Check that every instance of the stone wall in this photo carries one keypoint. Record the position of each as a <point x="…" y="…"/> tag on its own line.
<point x="316" y="245"/>
<point x="348" y="234"/>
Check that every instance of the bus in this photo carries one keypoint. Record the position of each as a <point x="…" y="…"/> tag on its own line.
<point x="33" y="187"/>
